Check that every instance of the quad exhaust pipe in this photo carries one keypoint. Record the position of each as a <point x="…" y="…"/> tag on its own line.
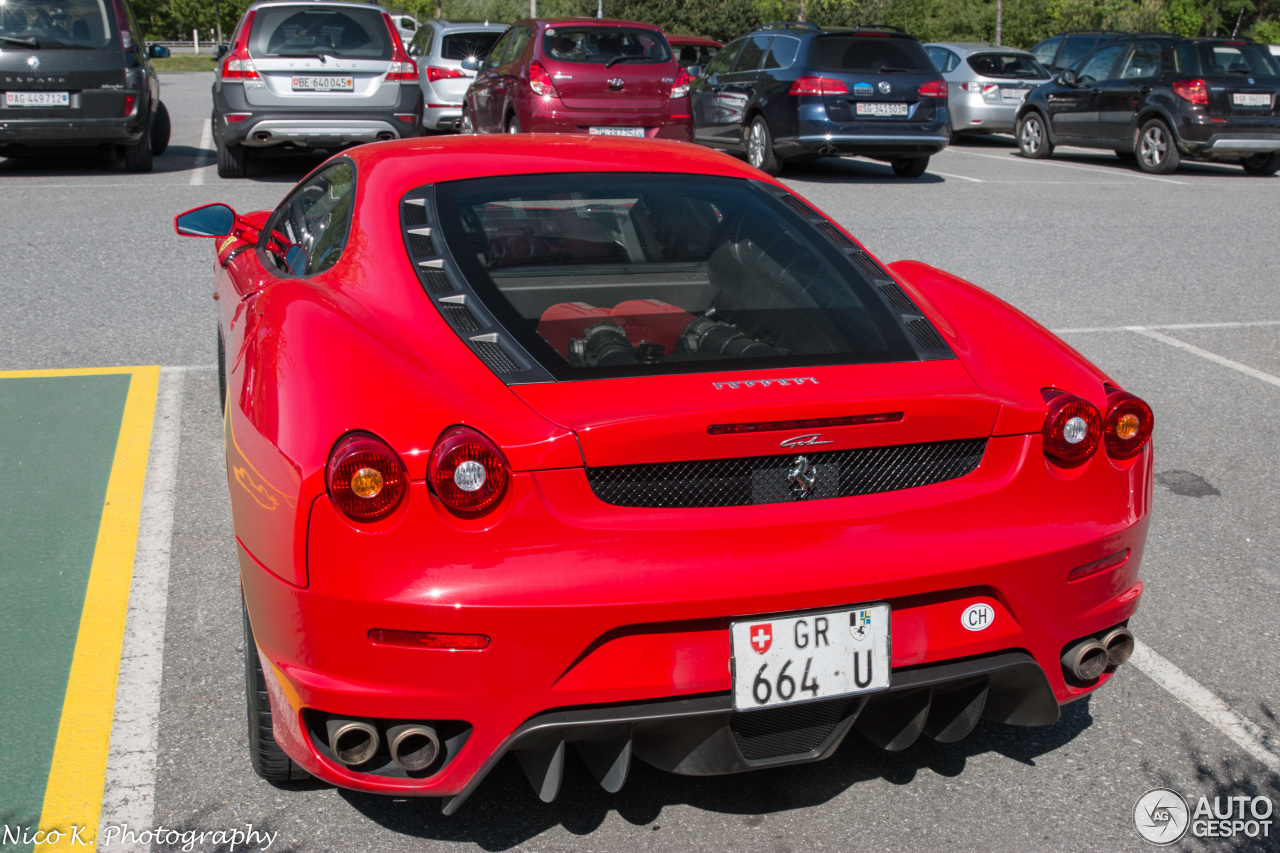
<point x="1119" y="644"/>
<point x="1086" y="659"/>
<point x="352" y="742"/>
<point x="413" y="746"/>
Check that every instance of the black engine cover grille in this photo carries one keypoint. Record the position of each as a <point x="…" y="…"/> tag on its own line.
<point x="775" y="732"/>
<point x="749" y="480"/>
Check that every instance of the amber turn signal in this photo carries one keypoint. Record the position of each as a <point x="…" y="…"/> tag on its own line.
<point x="366" y="479"/>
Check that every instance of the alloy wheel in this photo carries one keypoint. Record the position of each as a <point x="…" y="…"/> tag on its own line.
<point x="1032" y="136"/>
<point x="1154" y="147"/>
<point x="755" y="145"/>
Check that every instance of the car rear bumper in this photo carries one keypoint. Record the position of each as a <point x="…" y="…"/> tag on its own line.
<point x="311" y="128"/>
<point x="448" y="117"/>
<point x="63" y="131"/>
<point x="592" y="609"/>
<point x="1202" y="136"/>
<point x="971" y="112"/>
<point x="656" y="124"/>
<point x="865" y="144"/>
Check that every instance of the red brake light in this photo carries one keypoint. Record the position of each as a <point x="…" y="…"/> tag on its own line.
<point x="429" y="639"/>
<point x="681" y="88"/>
<point x="1072" y="429"/>
<point x="540" y="81"/>
<point x="435" y="73"/>
<point x="1127" y="427"/>
<point x="933" y="89"/>
<point x="1195" y="91"/>
<point x="365" y="477"/>
<point x="238" y="65"/>
<point x="402" y="67"/>
<point x="467" y="471"/>
<point x="818" y="86"/>
<point x="130" y="101"/>
<point x="122" y="21"/>
<point x="1096" y="566"/>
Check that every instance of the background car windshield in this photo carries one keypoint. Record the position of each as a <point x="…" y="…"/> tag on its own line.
<point x="346" y="32"/>
<point x="1244" y="59"/>
<point x="601" y="45"/>
<point x="600" y="275"/>
<point x="1015" y="66"/>
<point x="876" y="55"/>
<point x="64" y="23"/>
<point x="467" y="45"/>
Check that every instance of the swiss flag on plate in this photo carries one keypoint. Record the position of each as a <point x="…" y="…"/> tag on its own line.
<point x="761" y="638"/>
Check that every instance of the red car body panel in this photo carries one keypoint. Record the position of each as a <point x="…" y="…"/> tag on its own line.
<point x="587" y="603"/>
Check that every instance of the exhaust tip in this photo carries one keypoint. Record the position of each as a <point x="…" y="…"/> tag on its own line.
<point x="414" y="747"/>
<point x="386" y="135"/>
<point x="1119" y="645"/>
<point x="1085" y="660"/>
<point x="352" y="741"/>
<point x="262" y="136"/>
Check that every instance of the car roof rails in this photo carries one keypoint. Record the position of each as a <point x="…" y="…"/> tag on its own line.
<point x="789" y="25"/>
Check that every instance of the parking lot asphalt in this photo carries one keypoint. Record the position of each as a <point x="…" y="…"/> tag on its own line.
<point x="1168" y="283"/>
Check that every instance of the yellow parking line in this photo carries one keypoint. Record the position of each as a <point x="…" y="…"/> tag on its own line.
<point x="73" y="796"/>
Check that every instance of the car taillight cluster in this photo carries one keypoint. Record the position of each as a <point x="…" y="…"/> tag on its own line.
<point x="1074" y="428"/>
<point x="818" y="86"/>
<point x="238" y="65"/>
<point x="540" y="81"/>
<point x="1193" y="91"/>
<point x="681" y="88"/>
<point x="365" y="477"/>
<point x="434" y="73"/>
<point x="933" y="89"/>
<point x="402" y="67"/>
<point x="467" y="472"/>
<point x="122" y="21"/>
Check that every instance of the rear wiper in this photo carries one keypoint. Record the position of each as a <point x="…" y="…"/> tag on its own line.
<point x="26" y="42"/>
<point x="1241" y="71"/>
<point x="626" y="57"/>
<point x="893" y="69"/>
<point x="321" y="52"/>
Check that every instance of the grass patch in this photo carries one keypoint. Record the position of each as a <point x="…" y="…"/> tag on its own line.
<point x="185" y="62"/>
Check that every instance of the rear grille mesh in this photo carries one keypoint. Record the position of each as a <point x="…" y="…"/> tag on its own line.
<point x="461" y="318"/>
<point x="421" y="246"/>
<point x="925" y="336"/>
<point x="835" y="233"/>
<point x="437" y="281"/>
<point x="895" y="297"/>
<point x="752" y="480"/>
<point x="495" y="357"/>
<point x="778" y="732"/>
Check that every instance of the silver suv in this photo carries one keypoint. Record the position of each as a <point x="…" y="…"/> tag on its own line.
<point x="312" y="75"/>
<point x="440" y="48"/>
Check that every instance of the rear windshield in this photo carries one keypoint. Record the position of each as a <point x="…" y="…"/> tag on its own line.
<point x="874" y="54"/>
<point x="1245" y="59"/>
<point x="600" y="275"/>
<point x="1014" y="66"/>
<point x="296" y="31"/>
<point x="59" y="24"/>
<point x="467" y="45"/>
<point x="605" y="45"/>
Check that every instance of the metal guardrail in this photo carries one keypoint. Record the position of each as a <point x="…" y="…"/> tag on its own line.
<point x="188" y="47"/>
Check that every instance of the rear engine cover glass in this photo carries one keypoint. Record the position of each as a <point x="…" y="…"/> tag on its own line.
<point x="348" y="33"/>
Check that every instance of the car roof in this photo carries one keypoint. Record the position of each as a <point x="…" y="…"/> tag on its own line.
<point x="310" y="3"/>
<point x="472" y="26"/>
<point x="588" y="22"/>
<point x="971" y="47"/>
<point x="693" y="40"/>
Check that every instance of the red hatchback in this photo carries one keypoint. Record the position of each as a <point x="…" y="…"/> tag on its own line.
<point x="610" y="78"/>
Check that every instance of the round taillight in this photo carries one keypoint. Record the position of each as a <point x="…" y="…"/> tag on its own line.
<point x="1072" y="429"/>
<point x="467" y="471"/>
<point x="1127" y="427"/>
<point x="365" y="478"/>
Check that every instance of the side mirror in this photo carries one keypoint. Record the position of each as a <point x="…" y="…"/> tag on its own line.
<point x="472" y="64"/>
<point x="212" y="220"/>
<point x="295" y="260"/>
<point x="158" y="51"/>
<point x="220" y="51"/>
<point x="694" y="71"/>
<point x="1068" y="78"/>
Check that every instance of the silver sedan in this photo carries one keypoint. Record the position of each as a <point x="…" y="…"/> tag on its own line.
<point x="987" y="84"/>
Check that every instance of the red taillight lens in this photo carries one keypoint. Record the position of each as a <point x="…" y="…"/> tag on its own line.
<point x="435" y="73"/>
<point x="1090" y="569"/>
<point x="238" y="66"/>
<point x="130" y="101"/>
<point x="1127" y="427"/>
<point x="1195" y="91"/>
<point x="933" y="89"/>
<point x="429" y="639"/>
<point x="818" y="86"/>
<point x="122" y="21"/>
<point x="365" y="477"/>
<point x="681" y="88"/>
<point x="1072" y="429"/>
<point x="402" y="67"/>
<point x="540" y="81"/>
<point x="467" y="471"/>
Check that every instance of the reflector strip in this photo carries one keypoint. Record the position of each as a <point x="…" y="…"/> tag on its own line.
<point x="1116" y="559"/>
<point x="812" y="423"/>
<point x="428" y="639"/>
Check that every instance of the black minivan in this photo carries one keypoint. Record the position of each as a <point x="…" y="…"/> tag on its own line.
<point x="793" y="90"/>
<point x="75" y="72"/>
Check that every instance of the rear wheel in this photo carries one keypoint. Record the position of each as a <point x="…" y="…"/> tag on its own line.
<point x="1262" y="165"/>
<point x="468" y="125"/>
<point x="160" y="128"/>
<point x="760" y="147"/>
<point x="265" y="755"/>
<point x="137" y="157"/>
<point x="1157" y="152"/>
<point x="513" y="123"/>
<point x="909" y="167"/>
<point x="1033" y="137"/>
<point x="232" y="159"/>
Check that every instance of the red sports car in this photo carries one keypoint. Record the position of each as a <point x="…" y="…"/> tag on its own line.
<point x="545" y="441"/>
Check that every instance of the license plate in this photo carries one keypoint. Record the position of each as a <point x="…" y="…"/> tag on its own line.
<point x="1014" y="94"/>
<point x="882" y="109"/>
<point x="323" y="84"/>
<point x="617" y="131"/>
<point x="786" y="660"/>
<point x="1246" y="99"/>
<point x="37" y="99"/>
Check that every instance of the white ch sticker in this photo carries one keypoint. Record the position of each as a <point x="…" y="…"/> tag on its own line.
<point x="977" y="617"/>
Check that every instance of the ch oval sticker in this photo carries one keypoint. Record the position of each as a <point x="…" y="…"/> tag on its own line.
<point x="977" y="617"/>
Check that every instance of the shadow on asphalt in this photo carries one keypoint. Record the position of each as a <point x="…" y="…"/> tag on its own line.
<point x="271" y="167"/>
<point x="505" y="813"/>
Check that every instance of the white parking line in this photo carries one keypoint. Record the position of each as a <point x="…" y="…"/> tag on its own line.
<point x="1245" y="733"/>
<point x="1214" y="357"/>
<point x="1011" y="159"/>
<point x="129" y="794"/>
<point x="957" y="177"/>
<point x="1245" y="324"/>
<point x="202" y="162"/>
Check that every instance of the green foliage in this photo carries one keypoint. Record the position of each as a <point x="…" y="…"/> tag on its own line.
<point x="1266" y="31"/>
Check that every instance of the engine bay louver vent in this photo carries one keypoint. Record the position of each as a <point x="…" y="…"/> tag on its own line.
<point x="421" y="245"/>
<point x="925" y="336"/>
<point x="435" y="280"/>
<point x="895" y="297"/>
<point x="493" y="355"/>
<point x="798" y="206"/>
<point x="460" y="317"/>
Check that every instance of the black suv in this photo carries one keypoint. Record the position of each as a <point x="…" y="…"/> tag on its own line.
<point x="1060" y="52"/>
<point x="792" y="91"/>
<point x="75" y="72"/>
<point x="1159" y="98"/>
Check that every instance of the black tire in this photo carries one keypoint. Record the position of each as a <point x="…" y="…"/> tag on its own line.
<point x="513" y="123"/>
<point x="232" y="160"/>
<point x="1156" y="149"/>
<point x="265" y="755"/>
<point x="137" y="157"/>
<point x="468" y="125"/>
<point x="160" y="129"/>
<point x="1261" y="165"/>
<point x="759" y="145"/>
<point x="222" y="372"/>
<point x="1033" y="137"/>
<point x="1127" y="156"/>
<point x="909" y="167"/>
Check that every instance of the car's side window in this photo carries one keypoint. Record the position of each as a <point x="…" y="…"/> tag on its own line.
<point x="307" y="233"/>
<point x="782" y="52"/>
<point x="1098" y="66"/>
<point x="1074" y="50"/>
<point x="1143" y="62"/>
<point x="494" y="58"/>
<point x="724" y="59"/>
<point x="519" y="38"/>
<point x="1044" y="53"/>
<point x="752" y="53"/>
